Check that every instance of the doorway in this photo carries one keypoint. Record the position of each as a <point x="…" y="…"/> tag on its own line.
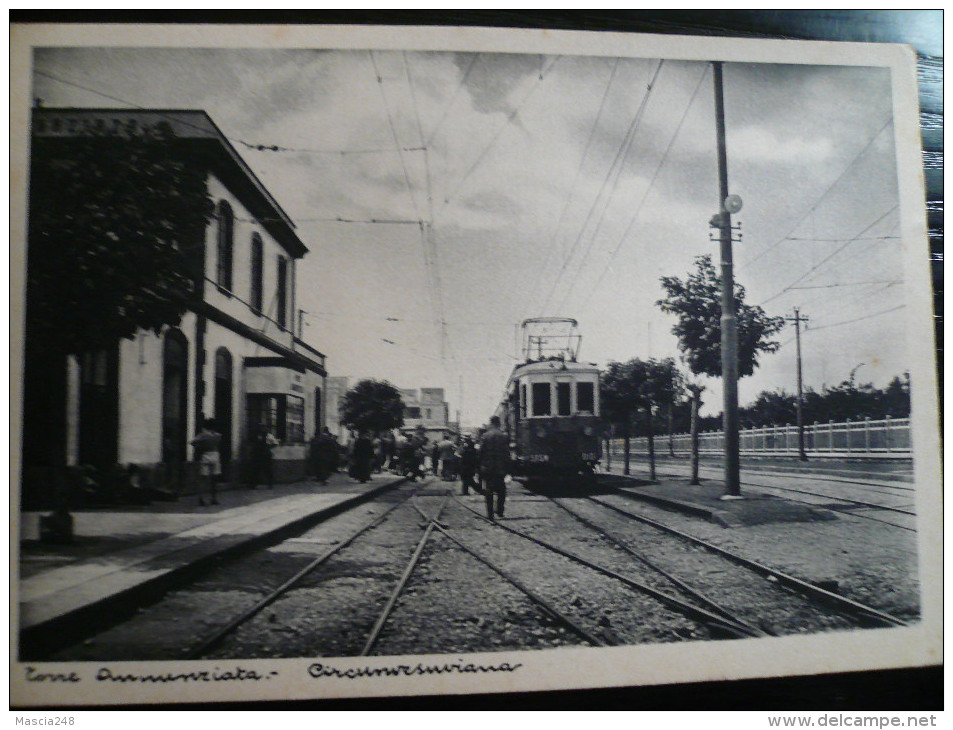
<point x="175" y="362"/>
<point x="223" y="406"/>
<point x="99" y="407"/>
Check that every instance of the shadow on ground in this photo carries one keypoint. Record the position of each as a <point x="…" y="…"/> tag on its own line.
<point x="581" y="486"/>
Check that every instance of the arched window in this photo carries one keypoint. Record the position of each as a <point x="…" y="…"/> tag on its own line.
<point x="226" y="234"/>
<point x="317" y="411"/>
<point x="175" y="363"/>
<point x="257" y="271"/>
<point x="282" y="293"/>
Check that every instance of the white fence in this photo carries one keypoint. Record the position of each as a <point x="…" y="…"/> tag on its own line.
<point x="887" y="437"/>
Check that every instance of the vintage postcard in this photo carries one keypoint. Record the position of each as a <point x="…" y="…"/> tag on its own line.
<point x="364" y="361"/>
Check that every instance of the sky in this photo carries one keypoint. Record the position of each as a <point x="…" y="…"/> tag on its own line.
<point x="482" y="189"/>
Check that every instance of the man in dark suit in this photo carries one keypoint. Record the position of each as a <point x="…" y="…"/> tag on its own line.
<point x="494" y="466"/>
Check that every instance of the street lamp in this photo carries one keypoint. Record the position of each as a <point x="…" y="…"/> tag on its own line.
<point x="853" y="372"/>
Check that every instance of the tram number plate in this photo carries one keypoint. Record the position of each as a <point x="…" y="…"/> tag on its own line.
<point x="537" y="458"/>
<point x="587" y="456"/>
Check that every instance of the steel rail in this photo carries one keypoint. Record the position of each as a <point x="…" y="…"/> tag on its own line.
<point x="824" y="476"/>
<point x="841" y="602"/>
<point x="398" y="589"/>
<point x="729" y="625"/>
<point x="835" y="497"/>
<point x="545" y="605"/>
<point x="846" y="500"/>
<point x="694" y="593"/>
<point x="201" y="648"/>
<point x="413" y="503"/>
<point x="859" y="516"/>
<point x="833" y="477"/>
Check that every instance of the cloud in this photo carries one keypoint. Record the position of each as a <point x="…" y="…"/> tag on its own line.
<point x="767" y="147"/>
<point x="494" y="77"/>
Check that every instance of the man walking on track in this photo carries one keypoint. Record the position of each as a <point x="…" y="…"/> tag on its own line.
<point x="494" y="466"/>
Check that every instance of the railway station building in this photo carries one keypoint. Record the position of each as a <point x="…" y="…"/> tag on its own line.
<point x="234" y="356"/>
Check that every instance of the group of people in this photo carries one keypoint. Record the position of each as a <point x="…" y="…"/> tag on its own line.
<point x="481" y="465"/>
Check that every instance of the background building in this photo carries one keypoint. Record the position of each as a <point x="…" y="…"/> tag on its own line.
<point x="335" y="388"/>
<point x="426" y="408"/>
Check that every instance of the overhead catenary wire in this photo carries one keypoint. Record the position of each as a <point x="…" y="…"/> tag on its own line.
<point x="506" y="122"/>
<point x="453" y="98"/>
<point x="594" y="236"/>
<point x="620" y="154"/>
<point x="814" y="239"/>
<point x="828" y="257"/>
<point x="648" y="188"/>
<point x="428" y="230"/>
<point x="823" y="195"/>
<point x="337" y="219"/>
<point x="840" y="295"/>
<point x="393" y="130"/>
<point x="846" y="283"/>
<point x="857" y="319"/>
<point x="255" y="146"/>
<point x="575" y="180"/>
<point x="432" y="279"/>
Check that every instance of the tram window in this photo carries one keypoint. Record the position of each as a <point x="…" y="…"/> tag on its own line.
<point x="541" y="399"/>
<point x="585" y="397"/>
<point x="563" y="405"/>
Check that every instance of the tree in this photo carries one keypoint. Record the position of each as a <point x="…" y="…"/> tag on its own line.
<point x="633" y="385"/>
<point x="115" y="241"/>
<point x="372" y="405"/>
<point x="661" y="388"/>
<point x="896" y="397"/>
<point x="696" y="304"/>
<point x="619" y="393"/>
<point x="115" y="227"/>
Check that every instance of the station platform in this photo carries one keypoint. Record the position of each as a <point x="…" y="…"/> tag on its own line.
<point x="704" y="501"/>
<point x="122" y="554"/>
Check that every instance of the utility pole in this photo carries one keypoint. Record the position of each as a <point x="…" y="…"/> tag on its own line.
<point x="797" y="319"/>
<point x="729" y="322"/>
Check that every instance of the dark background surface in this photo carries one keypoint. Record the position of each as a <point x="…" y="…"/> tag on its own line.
<point x="901" y="690"/>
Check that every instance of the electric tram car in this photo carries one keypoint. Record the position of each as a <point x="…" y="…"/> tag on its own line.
<point x="550" y="408"/>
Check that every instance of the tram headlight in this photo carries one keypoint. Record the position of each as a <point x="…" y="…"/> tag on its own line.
<point x="587" y="430"/>
<point x="540" y="432"/>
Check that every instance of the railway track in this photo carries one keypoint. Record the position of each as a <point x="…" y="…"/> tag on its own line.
<point x="711" y="614"/>
<point x="850" y="503"/>
<point x="417" y="576"/>
<point x="867" y="615"/>
<point x="892" y="479"/>
<point x="210" y="642"/>
<point x="545" y="605"/>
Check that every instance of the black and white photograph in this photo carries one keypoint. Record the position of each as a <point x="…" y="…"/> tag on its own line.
<point x="372" y="362"/>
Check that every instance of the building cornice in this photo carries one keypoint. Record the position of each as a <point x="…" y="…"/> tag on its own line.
<point x="298" y="359"/>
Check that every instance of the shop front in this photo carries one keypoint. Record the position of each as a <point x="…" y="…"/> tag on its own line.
<point x="277" y="395"/>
